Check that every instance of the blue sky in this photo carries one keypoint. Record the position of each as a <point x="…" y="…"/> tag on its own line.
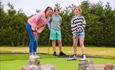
<point x="29" y="6"/>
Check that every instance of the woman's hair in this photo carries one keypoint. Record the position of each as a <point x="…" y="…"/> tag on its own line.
<point x="48" y="8"/>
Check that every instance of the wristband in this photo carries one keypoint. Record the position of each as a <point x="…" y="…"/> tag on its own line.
<point x="34" y="31"/>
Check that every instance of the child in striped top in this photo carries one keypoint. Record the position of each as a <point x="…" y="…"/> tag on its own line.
<point x="78" y="30"/>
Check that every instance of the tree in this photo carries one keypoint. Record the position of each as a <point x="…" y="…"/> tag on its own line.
<point x="100" y="27"/>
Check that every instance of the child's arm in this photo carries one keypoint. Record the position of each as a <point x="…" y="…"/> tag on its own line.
<point x="84" y="22"/>
<point x="60" y="19"/>
<point x="72" y="24"/>
<point x="49" y="23"/>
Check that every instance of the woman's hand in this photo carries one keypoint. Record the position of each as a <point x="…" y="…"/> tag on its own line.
<point x="36" y="34"/>
<point x="39" y="30"/>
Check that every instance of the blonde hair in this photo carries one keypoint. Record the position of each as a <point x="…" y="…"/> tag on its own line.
<point x="78" y="8"/>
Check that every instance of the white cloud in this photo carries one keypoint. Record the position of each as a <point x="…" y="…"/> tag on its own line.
<point x="30" y="6"/>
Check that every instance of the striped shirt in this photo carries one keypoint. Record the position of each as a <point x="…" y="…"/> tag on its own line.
<point x="78" y="24"/>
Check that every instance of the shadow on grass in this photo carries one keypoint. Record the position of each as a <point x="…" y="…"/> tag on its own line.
<point x="25" y="56"/>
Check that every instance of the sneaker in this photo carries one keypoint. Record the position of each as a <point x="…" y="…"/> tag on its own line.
<point x="83" y="58"/>
<point x="54" y="54"/>
<point x="74" y="57"/>
<point x="36" y="56"/>
<point x="31" y="57"/>
<point x="62" y="54"/>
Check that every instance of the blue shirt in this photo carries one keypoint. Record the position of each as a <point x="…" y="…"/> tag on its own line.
<point x="55" y="22"/>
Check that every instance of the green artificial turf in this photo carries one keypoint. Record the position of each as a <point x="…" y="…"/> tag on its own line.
<point x="16" y="61"/>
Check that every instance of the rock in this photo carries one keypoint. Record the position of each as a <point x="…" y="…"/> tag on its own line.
<point x="113" y="67"/>
<point x="83" y="65"/>
<point x="95" y="67"/>
<point x="34" y="64"/>
<point x="108" y="67"/>
<point x="30" y="67"/>
<point x="33" y="61"/>
<point x="88" y="65"/>
<point x="46" y="67"/>
<point x="40" y="67"/>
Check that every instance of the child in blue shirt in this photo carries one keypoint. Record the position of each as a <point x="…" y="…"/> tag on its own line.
<point x="55" y="31"/>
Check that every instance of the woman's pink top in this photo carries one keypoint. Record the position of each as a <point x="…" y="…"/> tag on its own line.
<point x="38" y="21"/>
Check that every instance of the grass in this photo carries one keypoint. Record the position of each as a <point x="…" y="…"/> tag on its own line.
<point x="16" y="61"/>
<point x="107" y="52"/>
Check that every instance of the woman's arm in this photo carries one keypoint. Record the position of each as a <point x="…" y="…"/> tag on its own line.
<point x="39" y="30"/>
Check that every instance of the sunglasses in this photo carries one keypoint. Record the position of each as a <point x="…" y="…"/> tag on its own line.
<point x="56" y="10"/>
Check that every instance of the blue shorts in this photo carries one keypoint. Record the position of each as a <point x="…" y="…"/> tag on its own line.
<point x="79" y="34"/>
<point x="55" y="34"/>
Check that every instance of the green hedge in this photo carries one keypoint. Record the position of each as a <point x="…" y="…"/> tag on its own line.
<point x="100" y="28"/>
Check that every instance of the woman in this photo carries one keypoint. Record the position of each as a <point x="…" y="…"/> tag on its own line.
<point x="34" y="26"/>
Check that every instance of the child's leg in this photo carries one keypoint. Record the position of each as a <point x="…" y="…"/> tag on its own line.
<point x="58" y="38"/>
<point x="74" y="49"/>
<point x="53" y="45"/>
<point x="53" y="39"/>
<point x="60" y="45"/>
<point x="81" y="39"/>
<point x="60" y="48"/>
<point x="75" y="42"/>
